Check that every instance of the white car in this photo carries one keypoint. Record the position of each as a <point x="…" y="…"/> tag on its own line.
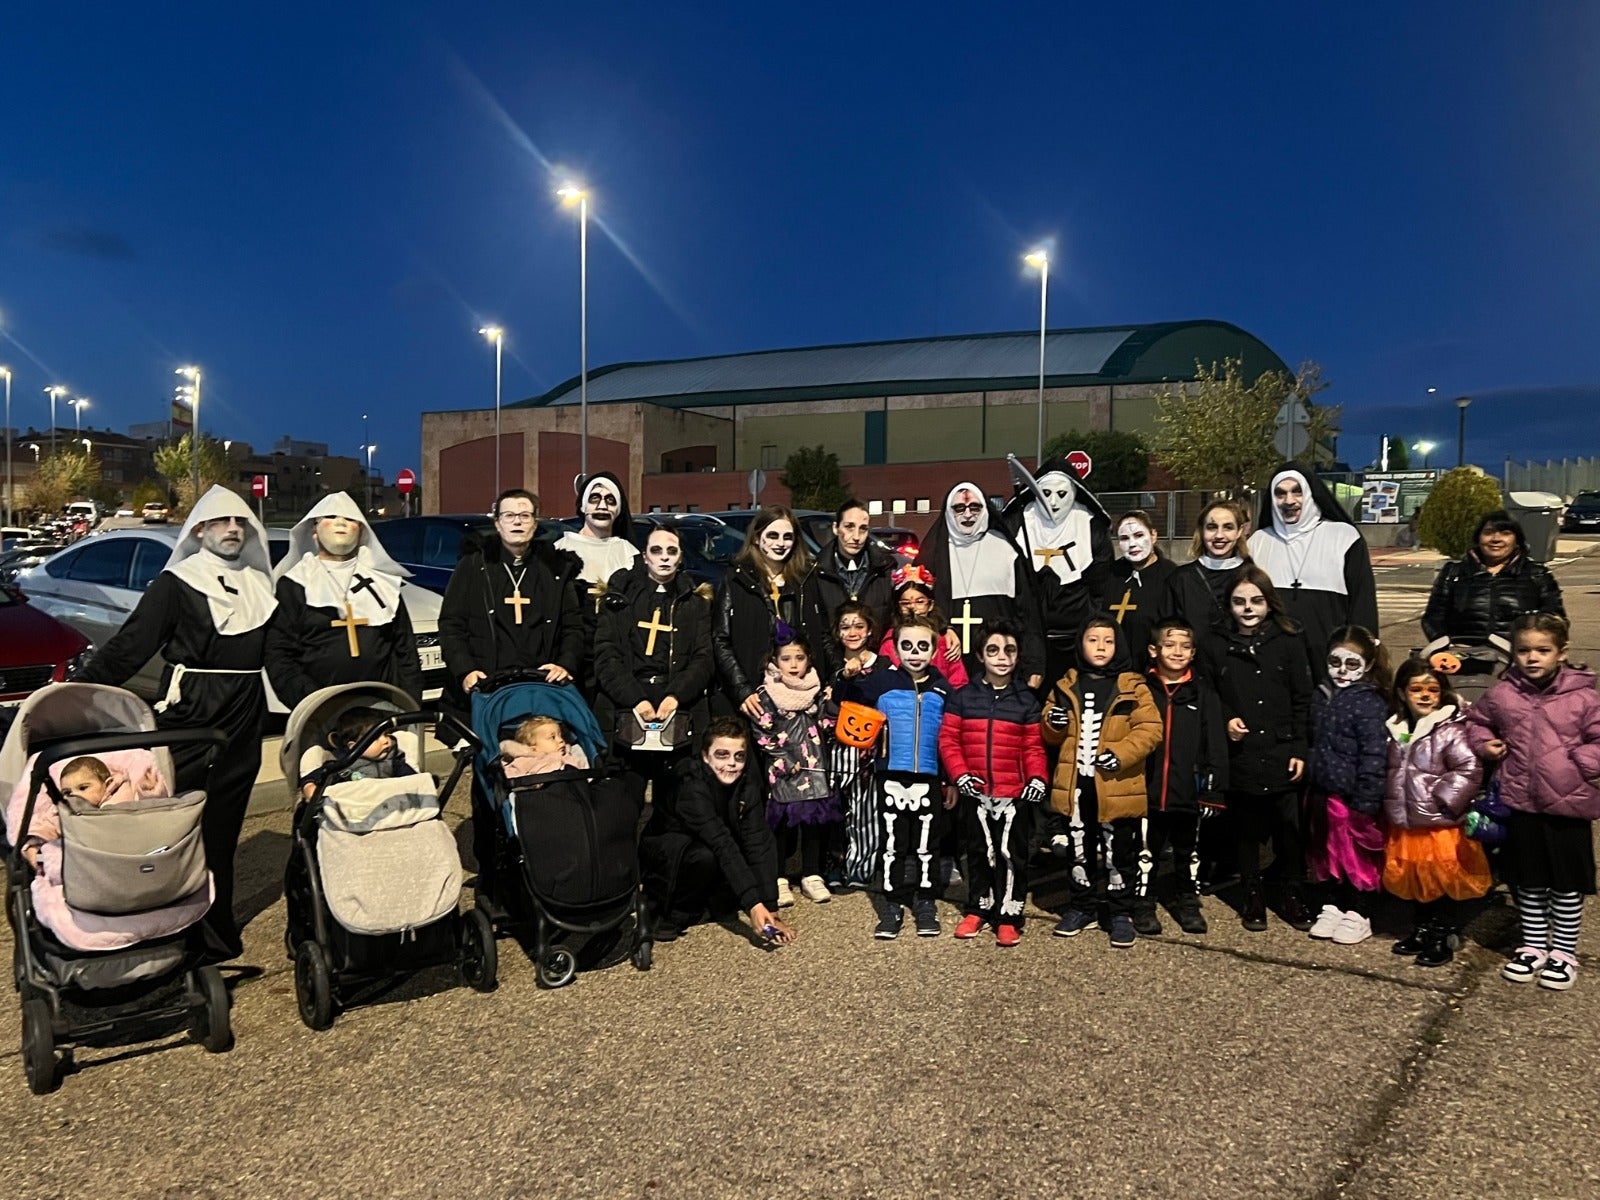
<point x="94" y="586"/>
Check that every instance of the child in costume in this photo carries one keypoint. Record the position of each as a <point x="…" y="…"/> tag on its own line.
<point x="854" y="631"/>
<point x="990" y="746"/>
<point x="913" y="596"/>
<point x="1541" y="723"/>
<point x="1433" y="777"/>
<point x="1349" y="757"/>
<point x="1184" y="780"/>
<point x="1104" y="719"/>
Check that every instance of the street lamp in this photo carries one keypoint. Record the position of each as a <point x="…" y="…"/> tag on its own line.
<point x="1040" y="260"/>
<point x="1461" y="429"/>
<point x="571" y="194"/>
<point x="192" y="374"/>
<point x="369" y="448"/>
<point x="34" y="446"/>
<point x="55" y="391"/>
<point x="87" y="445"/>
<point x="498" y="336"/>
<point x="78" y="405"/>
<point x="1425" y="449"/>
<point x="6" y="372"/>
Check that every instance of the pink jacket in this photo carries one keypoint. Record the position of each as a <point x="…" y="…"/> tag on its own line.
<point x="1433" y="773"/>
<point x="1552" y="764"/>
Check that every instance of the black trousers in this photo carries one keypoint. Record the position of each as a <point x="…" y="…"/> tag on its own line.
<point x="997" y="833"/>
<point x="1275" y="815"/>
<point x="1100" y="856"/>
<point x="1180" y="830"/>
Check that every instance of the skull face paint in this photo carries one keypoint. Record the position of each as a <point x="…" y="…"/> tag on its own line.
<point x="777" y="542"/>
<point x="915" y="647"/>
<point x="337" y="536"/>
<point x="1058" y="492"/>
<point x="1248" y="606"/>
<point x="601" y="503"/>
<point x="1135" y="541"/>
<point x="663" y="556"/>
<point x="1346" y="666"/>
<point x="726" y="757"/>
<point x="999" y="658"/>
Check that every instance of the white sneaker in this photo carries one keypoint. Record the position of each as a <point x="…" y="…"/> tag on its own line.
<point x="814" y="890"/>
<point x="785" y="896"/>
<point x="1353" y="930"/>
<point x="1327" y="921"/>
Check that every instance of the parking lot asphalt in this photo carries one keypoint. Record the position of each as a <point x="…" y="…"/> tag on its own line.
<point x="1237" y="1064"/>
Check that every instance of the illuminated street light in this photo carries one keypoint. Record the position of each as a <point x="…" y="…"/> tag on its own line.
<point x="1461" y="430"/>
<point x="498" y="336"/>
<point x="34" y="446"/>
<point x="1425" y="449"/>
<point x="78" y="405"/>
<point x="571" y="194"/>
<point x="55" y="391"/>
<point x="6" y="372"/>
<point x="1039" y="260"/>
<point x="192" y="374"/>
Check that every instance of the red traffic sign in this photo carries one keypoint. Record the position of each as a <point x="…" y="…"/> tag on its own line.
<point x="405" y="481"/>
<point x="1081" y="463"/>
<point x="258" y="486"/>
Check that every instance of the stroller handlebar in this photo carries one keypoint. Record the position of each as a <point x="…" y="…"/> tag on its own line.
<point x="510" y="676"/>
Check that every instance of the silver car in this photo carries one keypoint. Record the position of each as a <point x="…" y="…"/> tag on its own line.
<point x="95" y="584"/>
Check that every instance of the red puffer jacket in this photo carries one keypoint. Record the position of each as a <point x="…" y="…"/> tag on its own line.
<point x="995" y="736"/>
<point x="1433" y="773"/>
<point x="1552" y="736"/>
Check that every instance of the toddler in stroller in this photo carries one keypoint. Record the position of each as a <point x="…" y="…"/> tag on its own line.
<point x="106" y="877"/>
<point x="563" y="855"/>
<point x="373" y="883"/>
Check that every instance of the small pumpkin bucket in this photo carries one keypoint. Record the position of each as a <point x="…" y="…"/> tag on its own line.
<point x="859" y="725"/>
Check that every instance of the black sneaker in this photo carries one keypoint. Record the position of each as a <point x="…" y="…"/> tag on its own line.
<point x="1073" y="922"/>
<point x="1188" y="915"/>
<point x="927" y="917"/>
<point x="1436" y="952"/>
<point x="889" y="922"/>
<point x="1253" y="912"/>
<point x="1145" y="921"/>
<point x="1122" y="935"/>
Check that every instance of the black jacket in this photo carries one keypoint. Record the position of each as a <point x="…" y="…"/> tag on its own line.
<point x="1468" y="603"/>
<point x="631" y="597"/>
<point x="1266" y="681"/>
<point x="743" y="626"/>
<point x="825" y="590"/>
<point x="1195" y="592"/>
<point x="476" y="630"/>
<point x="732" y="822"/>
<point x="1144" y="601"/>
<point x="1350" y="744"/>
<point x="1191" y="768"/>
<point x="304" y="651"/>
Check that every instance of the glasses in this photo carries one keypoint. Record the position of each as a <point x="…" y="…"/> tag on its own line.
<point x="966" y="508"/>
<point x="517" y="518"/>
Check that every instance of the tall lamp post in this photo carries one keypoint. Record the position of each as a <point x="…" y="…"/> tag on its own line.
<point x="192" y="374"/>
<point x="1461" y="429"/>
<point x="369" y="448"/>
<point x="498" y="336"/>
<point x="6" y="373"/>
<point x="78" y="405"/>
<point x="1425" y="449"/>
<point x="55" y="391"/>
<point x="1040" y="260"/>
<point x="571" y="194"/>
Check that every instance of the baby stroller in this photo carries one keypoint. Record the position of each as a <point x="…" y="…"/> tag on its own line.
<point x="108" y="946"/>
<point x="565" y="854"/>
<point x="373" y="883"/>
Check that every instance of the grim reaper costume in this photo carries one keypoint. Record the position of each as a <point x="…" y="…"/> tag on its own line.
<point x="341" y="613"/>
<point x="981" y="574"/>
<point x="207" y="615"/>
<point x="1065" y="536"/>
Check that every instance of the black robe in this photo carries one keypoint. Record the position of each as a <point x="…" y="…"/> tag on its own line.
<point x="1134" y="598"/>
<point x="306" y="651"/>
<point x="1022" y="608"/>
<point x="681" y="666"/>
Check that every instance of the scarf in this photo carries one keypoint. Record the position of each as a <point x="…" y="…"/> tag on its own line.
<point x="788" y="696"/>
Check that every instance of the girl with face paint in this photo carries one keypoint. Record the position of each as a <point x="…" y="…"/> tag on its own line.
<point x="1349" y="757"/>
<point x="1433" y="776"/>
<point x="855" y="631"/>
<point x="762" y="589"/>
<point x="1262" y="674"/>
<point x="1134" y="587"/>
<point x="913" y="596"/>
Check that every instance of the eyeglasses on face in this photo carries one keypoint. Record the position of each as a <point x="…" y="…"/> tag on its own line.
<point x="974" y="507"/>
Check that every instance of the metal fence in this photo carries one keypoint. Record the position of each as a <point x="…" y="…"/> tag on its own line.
<point x="1565" y="478"/>
<point x="1174" y="513"/>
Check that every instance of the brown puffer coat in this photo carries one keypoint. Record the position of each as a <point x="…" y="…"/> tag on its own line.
<point x="1131" y="731"/>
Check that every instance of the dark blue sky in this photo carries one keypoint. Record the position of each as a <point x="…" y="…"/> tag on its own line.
<point x="321" y="203"/>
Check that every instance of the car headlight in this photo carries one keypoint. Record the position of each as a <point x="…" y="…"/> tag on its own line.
<point x="79" y="661"/>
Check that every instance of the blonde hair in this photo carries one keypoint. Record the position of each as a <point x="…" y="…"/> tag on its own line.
<point x="532" y="725"/>
<point x="1241" y="516"/>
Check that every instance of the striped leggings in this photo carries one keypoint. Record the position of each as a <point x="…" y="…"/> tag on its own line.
<point x="1550" y="919"/>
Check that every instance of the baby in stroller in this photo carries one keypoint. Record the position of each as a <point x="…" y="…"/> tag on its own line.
<point x="540" y="747"/>
<point x="92" y="782"/>
<point x="383" y="759"/>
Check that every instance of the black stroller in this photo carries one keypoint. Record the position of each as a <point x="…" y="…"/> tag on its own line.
<point x="373" y="883"/>
<point x="565" y="854"/>
<point x="108" y="945"/>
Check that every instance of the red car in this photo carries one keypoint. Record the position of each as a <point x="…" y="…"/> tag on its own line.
<point x="35" y="648"/>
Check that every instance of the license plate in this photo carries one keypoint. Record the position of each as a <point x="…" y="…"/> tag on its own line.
<point x="432" y="658"/>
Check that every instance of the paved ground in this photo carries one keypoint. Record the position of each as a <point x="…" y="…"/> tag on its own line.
<point x="1231" y="1065"/>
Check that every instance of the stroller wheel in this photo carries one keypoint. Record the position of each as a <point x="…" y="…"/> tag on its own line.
<point x="480" y="957"/>
<point x="313" y="990"/>
<point x="557" y="967"/>
<point x="209" y="1023"/>
<point x="642" y="955"/>
<point x="39" y="1047"/>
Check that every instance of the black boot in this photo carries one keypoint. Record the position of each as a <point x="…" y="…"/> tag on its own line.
<point x="1436" y="952"/>
<point x="1186" y="911"/>
<point x="1253" y="912"/>
<point x="1293" y="908"/>
<point x="1414" y="942"/>
<point x="1145" y="921"/>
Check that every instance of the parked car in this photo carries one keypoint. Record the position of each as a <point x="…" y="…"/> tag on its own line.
<point x="23" y="555"/>
<point x="35" y="648"/>
<point x="125" y="511"/>
<point x="430" y="547"/>
<point x="1583" y="513"/>
<point x="902" y="542"/>
<point x="155" y="513"/>
<point x="10" y="535"/>
<point x="815" y="527"/>
<point x="95" y="585"/>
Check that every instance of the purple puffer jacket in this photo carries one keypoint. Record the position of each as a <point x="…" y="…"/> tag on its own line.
<point x="1433" y="773"/>
<point x="1553" y="740"/>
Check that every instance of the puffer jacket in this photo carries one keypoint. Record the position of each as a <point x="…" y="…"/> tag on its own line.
<point x="1552" y="735"/>
<point x="914" y="711"/>
<point x="1348" y="744"/>
<point x="995" y="736"/>
<point x="1433" y="773"/>
<point x="1468" y="603"/>
<point x="1131" y="730"/>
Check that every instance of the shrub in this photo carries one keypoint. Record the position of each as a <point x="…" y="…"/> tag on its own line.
<point x="1453" y="509"/>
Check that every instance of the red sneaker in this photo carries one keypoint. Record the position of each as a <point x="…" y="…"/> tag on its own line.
<point x="1007" y="935"/>
<point x="969" y="926"/>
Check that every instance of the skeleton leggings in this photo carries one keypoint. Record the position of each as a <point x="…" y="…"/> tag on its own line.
<point x="909" y="812"/>
<point x="997" y="832"/>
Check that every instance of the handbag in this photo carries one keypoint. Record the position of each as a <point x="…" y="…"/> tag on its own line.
<point x="638" y="734"/>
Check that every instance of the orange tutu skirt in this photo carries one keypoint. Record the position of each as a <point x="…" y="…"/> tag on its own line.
<point x="1427" y="864"/>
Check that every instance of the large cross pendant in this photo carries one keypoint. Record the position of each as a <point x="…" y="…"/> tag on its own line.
<point x="349" y="623"/>
<point x="517" y="600"/>
<point x="654" y="627"/>
<point x="966" y="620"/>
<point x="1126" y="607"/>
<point x="596" y="591"/>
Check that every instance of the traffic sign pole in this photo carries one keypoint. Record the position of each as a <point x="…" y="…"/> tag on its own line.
<point x="404" y="483"/>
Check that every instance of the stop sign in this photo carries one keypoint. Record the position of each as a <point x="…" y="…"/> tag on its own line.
<point x="1081" y="463"/>
<point x="258" y="486"/>
<point x="405" y="481"/>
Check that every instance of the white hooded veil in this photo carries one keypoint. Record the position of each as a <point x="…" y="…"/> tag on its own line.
<point x="238" y="591"/>
<point x="1065" y="542"/>
<point x="980" y="564"/>
<point x="369" y="580"/>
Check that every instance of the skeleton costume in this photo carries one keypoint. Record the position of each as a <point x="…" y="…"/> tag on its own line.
<point x="207" y="617"/>
<point x="981" y="574"/>
<point x="340" y="621"/>
<point x="1065" y="537"/>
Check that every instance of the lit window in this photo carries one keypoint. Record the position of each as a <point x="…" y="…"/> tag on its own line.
<point x="874" y="508"/>
<point x="924" y="505"/>
<point x="899" y="507"/>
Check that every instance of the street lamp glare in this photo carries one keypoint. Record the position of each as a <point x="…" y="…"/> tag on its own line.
<point x="571" y="193"/>
<point x="1038" y="259"/>
<point x="493" y="332"/>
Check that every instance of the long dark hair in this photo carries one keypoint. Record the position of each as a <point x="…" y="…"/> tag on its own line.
<point x="1420" y="668"/>
<point x="1365" y="642"/>
<point x="1250" y="573"/>
<point x="795" y="568"/>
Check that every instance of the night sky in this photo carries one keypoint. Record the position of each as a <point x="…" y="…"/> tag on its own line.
<point x="320" y="204"/>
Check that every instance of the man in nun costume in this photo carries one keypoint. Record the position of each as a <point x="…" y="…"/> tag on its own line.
<point x="341" y="614"/>
<point x="1316" y="557"/>
<point x="207" y="614"/>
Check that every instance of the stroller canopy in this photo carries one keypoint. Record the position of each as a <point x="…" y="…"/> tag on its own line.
<point x="561" y="701"/>
<point x="63" y="710"/>
<point x="311" y="719"/>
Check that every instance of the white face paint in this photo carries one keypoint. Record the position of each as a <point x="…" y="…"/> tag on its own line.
<point x="337" y="537"/>
<point x="915" y="647"/>
<point x="1135" y="541"/>
<point x="1058" y="492"/>
<point x="1249" y="607"/>
<point x="1290" y="499"/>
<point x="726" y="757"/>
<point x="966" y="510"/>
<point x="777" y="542"/>
<point x="663" y="556"/>
<point x="1345" y="666"/>
<point x="225" y="536"/>
<point x="601" y="503"/>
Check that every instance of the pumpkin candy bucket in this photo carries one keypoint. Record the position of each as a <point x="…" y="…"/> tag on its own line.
<point x="859" y="725"/>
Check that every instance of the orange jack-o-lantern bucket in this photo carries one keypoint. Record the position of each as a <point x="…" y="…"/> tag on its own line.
<point x="859" y="725"/>
<point x="1445" y="662"/>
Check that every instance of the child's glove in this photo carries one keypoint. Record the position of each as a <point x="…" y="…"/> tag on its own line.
<point x="1107" y="761"/>
<point x="1059" y="716"/>
<point x="970" y="786"/>
<point x="1033" y="793"/>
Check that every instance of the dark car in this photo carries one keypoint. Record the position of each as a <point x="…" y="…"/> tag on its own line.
<point x="815" y="527"/>
<point x="35" y="648"/>
<point x="1583" y="513"/>
<point x="430" y="547"/>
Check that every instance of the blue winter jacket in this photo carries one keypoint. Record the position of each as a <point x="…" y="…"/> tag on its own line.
<point x="910" y="738"/>
<point x="1350" y="745"/>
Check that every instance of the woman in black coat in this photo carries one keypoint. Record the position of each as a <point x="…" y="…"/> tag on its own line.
<point x="761" y="588"/>
<point x="1477" y="596"/>
<point x="1194" y="591"/>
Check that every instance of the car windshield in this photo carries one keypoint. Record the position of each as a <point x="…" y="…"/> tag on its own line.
<point x="714" y="543"/>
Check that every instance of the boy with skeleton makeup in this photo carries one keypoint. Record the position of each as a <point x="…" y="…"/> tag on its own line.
<point x="913" y="698"/>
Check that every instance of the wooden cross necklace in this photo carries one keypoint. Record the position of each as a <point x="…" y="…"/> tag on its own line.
<point x="516" y="600"/>
<point x="654" y="626"/>
<point x="351" y="622"/>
